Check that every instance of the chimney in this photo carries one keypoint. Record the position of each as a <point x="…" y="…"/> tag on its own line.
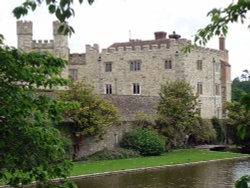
<point x="174" y="36"/>
<point x="222" y="43"/>
<point x="160" y="35"/>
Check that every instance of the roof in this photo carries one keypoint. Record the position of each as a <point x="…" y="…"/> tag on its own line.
<point x="134" y="43"/>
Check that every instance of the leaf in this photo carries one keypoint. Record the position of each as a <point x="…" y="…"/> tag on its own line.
<point x="52" y="9"/>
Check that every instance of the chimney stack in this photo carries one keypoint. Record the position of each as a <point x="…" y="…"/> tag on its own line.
<point x="160" y="35"/>
<point x="222" y="43"/>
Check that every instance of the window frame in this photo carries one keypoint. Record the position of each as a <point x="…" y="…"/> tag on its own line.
<point x="108" y="66"/>
<point x="199" y="88"/>
<point x="168" y="64"/>
<point x="135" y="65"/>
<point x="199" y="65"/>
<point x="136" y="88"/>
<point x="108" y="89"/>
<point x="73" y="74"/>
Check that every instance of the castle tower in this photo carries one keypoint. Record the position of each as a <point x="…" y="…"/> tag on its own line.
<point x="24" y="35"/>
<point x="60" y="46"/>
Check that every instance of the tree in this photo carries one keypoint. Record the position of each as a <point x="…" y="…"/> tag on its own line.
<point x="91" y="116"/>
<point x="177" y="111"/>
<point x="62" y="9"/>
<point x="239" y="120"/>
<point x="239" y="88"/>
<point x="220" y="19"/>
<point x="31" y="148"/>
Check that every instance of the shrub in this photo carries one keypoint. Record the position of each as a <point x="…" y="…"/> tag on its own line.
<point x="119" y="153"/>
<point x="219" y="130"/>
<point x="146" y="141"/>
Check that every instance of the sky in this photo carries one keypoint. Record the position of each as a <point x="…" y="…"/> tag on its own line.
<point x="109" y="21"/>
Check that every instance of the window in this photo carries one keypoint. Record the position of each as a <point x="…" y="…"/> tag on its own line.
<point x="218" y="112"/>
<point x="135" y="65"/>
<point x="108" y="67"/>
<point x="136" y="88"/>
<point x="108" y="89"/>
<point x="199" y="64"/>
<point x="217" y="89"/>
<point x="199" y="88"/>
<point x="73" y="74"/>
<point x="217" y="67"/>
<point x="168" y="64"/>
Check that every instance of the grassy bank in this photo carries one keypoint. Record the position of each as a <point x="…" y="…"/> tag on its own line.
<point x="175" y="157"/>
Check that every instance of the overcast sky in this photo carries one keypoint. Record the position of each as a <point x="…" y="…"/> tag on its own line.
<point x="109" y="21"/>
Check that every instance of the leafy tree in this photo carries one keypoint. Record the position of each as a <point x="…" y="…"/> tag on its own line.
<point x="221" y="18"/>
<point x="92" y="115"/>
<point x="220" y="133"/>
<point x="240" y="86"/>
<point x="62" y="9"/>
<point x="177" y="111"/>
<point x="31" y="148"/>
<point x="239" y="120"/>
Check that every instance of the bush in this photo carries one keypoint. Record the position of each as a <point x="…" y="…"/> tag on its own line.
<point x="220" y="134"/>
<point x="119" y="153"/>
<point x="146" y="141"/>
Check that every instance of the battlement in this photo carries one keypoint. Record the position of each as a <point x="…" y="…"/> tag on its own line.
<point x="77" y="58"/>
<point x="90" y="48"/>
<point x="24" y="28"/>
<point x="43" y="44"/>
<point x="151" y="46"/>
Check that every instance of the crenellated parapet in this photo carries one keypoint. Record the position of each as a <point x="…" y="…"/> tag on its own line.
<point x="77" y="58"/>
<point x="24" y="28"/>
<point x="43" y="44"/>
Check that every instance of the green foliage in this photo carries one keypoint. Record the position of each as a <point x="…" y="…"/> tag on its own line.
<point x="177" y="111"/>
<point x="31" y="147"/>
<point x="91" y="115"/>
<point x="203" y="131"/>
<point x="242" y="182"/>
<point x="118" y="153"/>
<point x="146" y="141"/>
<point x="62" y="9"/>
<point x="220" y="133"/>
<point x="145" y="120"/>
<point x="221" y="18"/>
<point x="241" y="87"/>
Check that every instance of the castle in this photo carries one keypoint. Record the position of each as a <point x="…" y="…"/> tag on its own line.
<point x="138" y="68"/>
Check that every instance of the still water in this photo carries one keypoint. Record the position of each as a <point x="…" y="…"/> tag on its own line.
<point x="220" y="174"/>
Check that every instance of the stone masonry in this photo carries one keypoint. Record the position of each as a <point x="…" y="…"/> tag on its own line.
<point x="58" y="46"/>
<point x="138" y="68"/>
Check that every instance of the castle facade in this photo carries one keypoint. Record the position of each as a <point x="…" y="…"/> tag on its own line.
<point x="138" y="68"/>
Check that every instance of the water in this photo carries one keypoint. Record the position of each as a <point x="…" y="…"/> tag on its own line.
<point x="220" y="174"/>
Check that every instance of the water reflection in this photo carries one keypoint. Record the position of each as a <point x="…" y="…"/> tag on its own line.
<point x="220" y="174"/>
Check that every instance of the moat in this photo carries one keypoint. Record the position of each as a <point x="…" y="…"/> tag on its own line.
<point x="220" y="174"/>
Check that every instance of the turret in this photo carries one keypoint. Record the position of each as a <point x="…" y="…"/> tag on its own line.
<point x="60" y="45"/>
<point x="24" y="35"/>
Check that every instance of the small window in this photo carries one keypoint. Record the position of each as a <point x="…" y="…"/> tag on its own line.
<point x="218" y="113"/>
<point x="168" y="64"/>
<point x="73" y="74"/>
<point x="135" y="65"/>
<point x="199" y="88"/>
<point x="199" y="64"/>
<point x="108" y="89"/>
<point x="217" y="67"/>
<point x="217" y="89"/>
<point x="136" y="88"/>
<point x="108" y="67"/>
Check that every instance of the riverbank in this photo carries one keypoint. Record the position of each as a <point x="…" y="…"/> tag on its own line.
<point x="177" y="157"/>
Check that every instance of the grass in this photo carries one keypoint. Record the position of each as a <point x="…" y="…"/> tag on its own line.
<point x="175" y="157"/>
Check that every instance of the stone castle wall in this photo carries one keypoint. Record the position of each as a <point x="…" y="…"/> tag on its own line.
<point x="90" y="66"/>
<point x="58" y="46"/>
